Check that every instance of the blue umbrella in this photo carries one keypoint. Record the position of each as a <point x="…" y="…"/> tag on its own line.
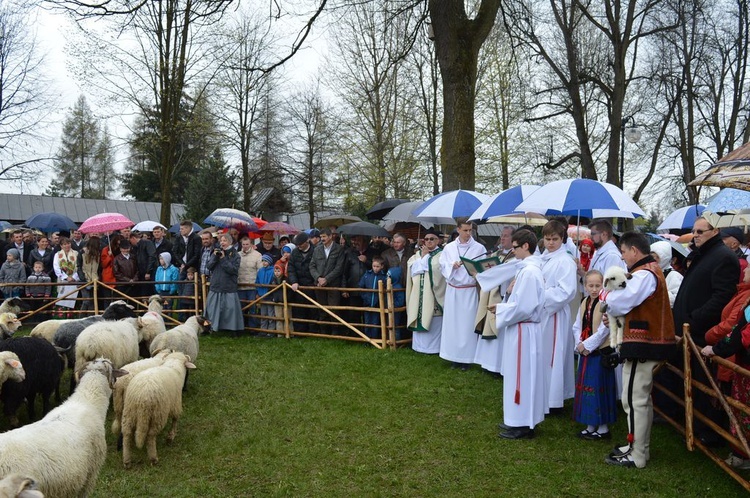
<point x="682" y="218"/>
<point x="503" y="203"/>
<point x="50" y="222"/>
<point x="231" y="218"/>
<point x="5" y="224"/>
<point x="581" y="197"/>
<point x="451" y="204"/>
<point x="176" y="228"/>
<point x="728" y="199"/>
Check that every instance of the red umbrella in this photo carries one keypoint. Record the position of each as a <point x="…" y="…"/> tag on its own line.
<point x="106" y="222"/>
<point x="279" y="227"/>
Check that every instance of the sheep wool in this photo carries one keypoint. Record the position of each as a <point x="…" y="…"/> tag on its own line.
<point x="65" y="450"/>
<point x="116" y="341"/>
<point x="47" y="329"/>
<point x="10" y="368"/>
<point x="183" y="338"/>
<point x="153" y="397"/>
<point x="155" y="304"/>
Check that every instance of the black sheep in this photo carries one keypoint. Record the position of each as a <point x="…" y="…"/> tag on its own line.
<point x="43" y="366"/>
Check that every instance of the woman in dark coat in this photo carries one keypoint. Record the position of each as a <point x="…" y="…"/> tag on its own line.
<point x="223" y="308"/>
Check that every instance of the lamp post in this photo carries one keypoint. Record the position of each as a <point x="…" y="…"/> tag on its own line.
<point x="632" y="135"/>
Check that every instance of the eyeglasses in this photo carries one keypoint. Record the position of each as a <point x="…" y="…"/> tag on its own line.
<point x="430" y="238"/>
<point x="594" y="233"/>
<point x="514" y="247"/>
<point x="698" y="231"/>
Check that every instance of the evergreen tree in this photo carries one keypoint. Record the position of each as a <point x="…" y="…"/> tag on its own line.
<point x="83" y="161"/>
<point x="212" y="186"/>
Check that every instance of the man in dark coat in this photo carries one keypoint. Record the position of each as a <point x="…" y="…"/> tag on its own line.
<point x="357" y="260"/>
<point x="146" y="260"/>
<point x="709" y="284"/>
<point x="327" y="268"/>
<point x="186" y="248"/>
<point x="298" y="274"/>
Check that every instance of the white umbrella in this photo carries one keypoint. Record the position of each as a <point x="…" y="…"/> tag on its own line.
<point x="148" y="226"/>
<point x="405" y="213"/>
<point x="453" y="204"/>
<point x="581" y="197"/>
<point x="682" y="218"/>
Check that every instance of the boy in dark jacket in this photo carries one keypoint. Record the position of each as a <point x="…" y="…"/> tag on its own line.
<point x="370" y="299"/>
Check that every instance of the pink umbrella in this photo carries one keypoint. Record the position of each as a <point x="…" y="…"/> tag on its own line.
<point x="279" y="227"/>
<point x="106" y="222"/>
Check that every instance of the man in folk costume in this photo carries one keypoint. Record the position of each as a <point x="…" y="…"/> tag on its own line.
<point x="560" y="287"/>
<point x="425" y="296"/>
<point x="458" y="342"/>
<point x="525" y="394"/>
<point x="606" y="256"/>
<point x="648" y="338"/>
<point x="489" y="352"/>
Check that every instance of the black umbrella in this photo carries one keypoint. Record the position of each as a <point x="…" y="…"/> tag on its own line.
<point x="363" y="228"/>
<point x="382" y="208"/>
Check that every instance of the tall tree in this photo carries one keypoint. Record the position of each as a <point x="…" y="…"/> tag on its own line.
<point x="213" y="185"/>
<point x="80" y="163"/>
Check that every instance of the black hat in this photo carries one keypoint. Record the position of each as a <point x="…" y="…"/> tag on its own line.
<point x="432" y="231"/>
<point x="735" y="232"/>
<point x="300" y="239"/>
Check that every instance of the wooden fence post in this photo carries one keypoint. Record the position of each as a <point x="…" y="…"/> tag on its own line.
<point x="688" y="387"/>
<point x="96" y="296"/>
<point x="287" y="332"/>
<point x="391" y="316"/>
<point x="382" y="304"/>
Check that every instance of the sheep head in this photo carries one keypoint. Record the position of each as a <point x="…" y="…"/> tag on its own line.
<point x="18" y="486"/>
<point x="16" y="304"/>
<point x="16" y="373"/>
<point x="118" y="310"/>
<point x="102" y="366"/>
<point x="9" y="323"/>
<point x="616" y="278"/>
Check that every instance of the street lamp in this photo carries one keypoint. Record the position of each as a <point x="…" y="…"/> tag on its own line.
<point x="632" y="135"/>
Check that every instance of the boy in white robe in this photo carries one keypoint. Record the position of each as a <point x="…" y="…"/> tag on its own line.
<point x="525" y="395"/>
<point x="458" y="342"/>
<point x="560" y="284"/>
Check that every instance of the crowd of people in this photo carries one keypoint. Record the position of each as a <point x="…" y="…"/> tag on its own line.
<point x="532" y="309"/>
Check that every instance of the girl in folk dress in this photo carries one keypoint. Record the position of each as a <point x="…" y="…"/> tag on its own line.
<point x="596" y="399"/>
<point x="65" y="265"/>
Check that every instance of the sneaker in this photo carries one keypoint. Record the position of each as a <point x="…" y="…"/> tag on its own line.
<point x="737" y="462"/>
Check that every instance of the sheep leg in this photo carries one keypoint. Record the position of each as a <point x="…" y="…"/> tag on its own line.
<point x="151" y="448"/>
<point x="127" y="442"/>
<point x="172" y="431"/>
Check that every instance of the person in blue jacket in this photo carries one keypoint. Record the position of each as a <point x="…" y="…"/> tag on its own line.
<point x="370" y="299"/>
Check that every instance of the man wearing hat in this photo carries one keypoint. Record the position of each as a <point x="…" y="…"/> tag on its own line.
<point x="425" y="295"/>
<point x="314" y="236"/>
<point x="733" y="238"/>
<point x="298" y="274"/>
<point x="266" y="246"/>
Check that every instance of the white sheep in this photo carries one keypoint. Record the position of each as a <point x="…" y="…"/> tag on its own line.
<point x="65" y="450"/>
<point x="153" y="397"/>
<point x="121" y="386"/>
<point x="18" y="486"/>
<point x="183" y="338"/>
<point x="9" y="324"/>
<point x="14" y="305"/>
<point x="116" y="341"/>
<point x="47" y="329"/>
<point x="615" y="278"/>
<point x="151" y="325"/>
<point x="10" y="368"/>
<point x="156" y="303"/>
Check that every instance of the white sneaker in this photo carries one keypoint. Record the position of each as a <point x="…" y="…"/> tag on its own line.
<point x="737" y="463"/>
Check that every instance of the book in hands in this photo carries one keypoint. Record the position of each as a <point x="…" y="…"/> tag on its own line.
<point x="479" y="265"/>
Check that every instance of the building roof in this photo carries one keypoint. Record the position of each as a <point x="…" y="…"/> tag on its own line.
<point x="16" y="208"/>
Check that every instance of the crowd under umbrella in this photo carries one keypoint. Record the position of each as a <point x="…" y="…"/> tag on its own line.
<point x="105" y="222"/>
<point x="452" y="204"/>
<point x="337" y="220"/>
<point x="148" y="226"/>
<point x="232" y="218"/>
<point x="363" y="228"/>
<point x="175" y="229"/>
<point x="380" y="209"/>
<point x="682" y="218"/>
<point x="503" y="203"/>
<point x="50" y="222"/>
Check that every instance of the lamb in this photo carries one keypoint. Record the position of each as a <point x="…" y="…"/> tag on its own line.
<point x="116" y="341"/>
<point x="121" y="386"/>
<point x="14" y="305"/>
<point x="615" y="278"/>
<point x="43" y="367"/>
<point x="10" y="368"/>
<point x="152" y="324"/>
<point x="182" y="338"/>
<point x="18" y="486"/>
<point x="153" y="397"/>
<point x="65" y="450"/>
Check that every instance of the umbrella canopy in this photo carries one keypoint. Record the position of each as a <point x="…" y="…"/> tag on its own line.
<point x="533" y="219"/>
<point x="12" y="228"/>
<point x="148" y="226"/>
<point x="231" y="218"/>
<point x="453" y="204"/>
<point x="382" y="208"/>
<point x="504" y="203"/>
<point x="732" y="170"/>
<point x="404" y="213"/>
<point x="728" y="199"/>
<point x="106" y="222"/>
<point x="581" y="197"/>
<point x="176" y="228"/>
<point x="5" y="224"/>
<point x="363" y="228"/>
<point x="682" y="218"/>
<point x="50" y="222"/>
<point x="279" y="227"/>
<point x="727" y="219"/>
<point x="336" y="220"/>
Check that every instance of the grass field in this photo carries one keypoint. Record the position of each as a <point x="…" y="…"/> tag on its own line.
<point x="308" y="417"/>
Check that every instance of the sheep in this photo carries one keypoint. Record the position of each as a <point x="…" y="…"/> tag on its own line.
<point x="43" y="367"/>
<point x="116" y="341"/>
<point x="65" y="450"/>
<point x="47" y="329"/>
<point x="121" y="386"/>
<point x="156" y="303"/>
<point x="615" y="278"/>
<point x="183" y="338"/>
<point x="153" y="397"/>
<point x="18" y="486"/>
<point x="14" y="305"/>
<point x="152" y="324"/>
<point x="10" y="368"/>
<point x="9" y="323"/>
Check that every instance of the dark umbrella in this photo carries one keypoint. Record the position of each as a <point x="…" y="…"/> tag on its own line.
<point x="50" y="222"/>
<point x="176" y="228"/>
<point x="363" y="228"/>
<point x="382" y="208"/>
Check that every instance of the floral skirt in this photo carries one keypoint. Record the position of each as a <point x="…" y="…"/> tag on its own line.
<point x="741" y="392"/>
<point x="596" y="396"/>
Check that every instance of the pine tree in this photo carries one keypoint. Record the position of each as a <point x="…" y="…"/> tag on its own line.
<point x="212" y="186"/>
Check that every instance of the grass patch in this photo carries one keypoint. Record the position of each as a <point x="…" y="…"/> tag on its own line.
<point x="307" y="417"/>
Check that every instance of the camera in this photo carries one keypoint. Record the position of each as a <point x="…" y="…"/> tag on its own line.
<point x="219" y="252"/>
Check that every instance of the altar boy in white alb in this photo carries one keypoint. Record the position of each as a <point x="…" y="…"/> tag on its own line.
<point x="560" y="284"/>
<point x="525" y="393"/>
<point x="458" y="342"/>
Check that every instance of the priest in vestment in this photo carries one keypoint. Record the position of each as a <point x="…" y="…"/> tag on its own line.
<point x="425" y="296"/>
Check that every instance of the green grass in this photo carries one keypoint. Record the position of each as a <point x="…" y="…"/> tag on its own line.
<point x="306" y="417"/>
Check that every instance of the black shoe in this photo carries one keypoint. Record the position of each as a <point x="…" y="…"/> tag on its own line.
<point x="597" y="436"/>
<point x="619" y="452"/>
<point x="555" y="411"/>
<point x="502" y="427"/>
<point x="462" y="366"/>
<point x="623" y="461"/>
<point x="518" y="433"/>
